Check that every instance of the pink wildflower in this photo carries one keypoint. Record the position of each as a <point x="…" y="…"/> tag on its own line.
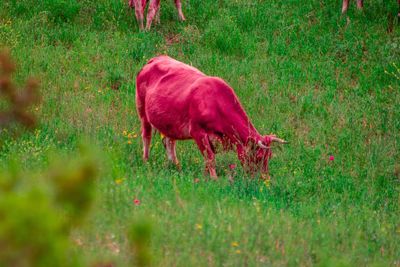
<point x="136" y="202"/>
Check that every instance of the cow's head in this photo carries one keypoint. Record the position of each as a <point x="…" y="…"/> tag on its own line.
<point x="258" y="152"/>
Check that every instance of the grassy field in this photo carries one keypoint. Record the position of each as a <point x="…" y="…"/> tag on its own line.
<point x="330" y="84"/>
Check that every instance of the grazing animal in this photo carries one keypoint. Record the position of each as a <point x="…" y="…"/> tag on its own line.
<point x="153" y="11"/>
<point x="360" y="4"/>
<point x="183" y="103"/>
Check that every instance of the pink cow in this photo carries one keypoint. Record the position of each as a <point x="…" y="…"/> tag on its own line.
<point x="153" y="11"/>
<point x="183" y="103"/>
<point x="360" y="4"/>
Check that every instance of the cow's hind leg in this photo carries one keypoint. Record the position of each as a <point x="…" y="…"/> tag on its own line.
<point x="146" y="137"/>
<point x="153" y="9"/>
<point x="360" y="4"/>
<point x="157" y="17"/>
<point x="170" y="145"/>
<point x="139" y="11"/>
<point x="205" y="146"/>
<point x="179" y="8"/>
<point x="398" y="14"/>
<point x="345" y="5"/>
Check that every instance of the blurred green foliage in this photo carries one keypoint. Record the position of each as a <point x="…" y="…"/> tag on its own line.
<point x="140" y="237"/>
<point x="33" y="229"/>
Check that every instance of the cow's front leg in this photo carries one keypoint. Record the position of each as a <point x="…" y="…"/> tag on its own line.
<point x="360" y="4"/>
<point x="241" y="155"/>
<point x="204" y="144"/>
<point x="179" y="8"/>
<point x="153" y="8"/>
<point x="139" y="11"/>
<point x="170" y="145"/>
<point x="345" y="6"/>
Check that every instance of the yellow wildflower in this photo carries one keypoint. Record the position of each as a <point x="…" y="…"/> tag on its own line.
<point x="129" y="142"/>
<point x="124" y="132"/>
<point x="238" y="251"/>
<point x="198" y="226"/>
<point x="119" y="181"/>
<point x="234" y="244"/>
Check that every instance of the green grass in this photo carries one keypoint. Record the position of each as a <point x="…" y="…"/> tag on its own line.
<point x="323" y="81"/>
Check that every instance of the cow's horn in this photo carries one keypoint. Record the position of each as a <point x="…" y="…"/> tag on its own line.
<point x="278" y="140"/>
<point x="260" y="144"/>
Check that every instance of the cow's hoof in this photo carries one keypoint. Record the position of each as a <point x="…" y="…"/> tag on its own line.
<point x="213" y="175"/>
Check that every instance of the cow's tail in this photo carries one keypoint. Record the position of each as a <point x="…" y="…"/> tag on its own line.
<point x="140" y="96"/>
<point x="141" y="85"/>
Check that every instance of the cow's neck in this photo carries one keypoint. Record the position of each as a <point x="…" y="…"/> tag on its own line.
<point x="240" y="139"/>
<point x="241" y="133"/>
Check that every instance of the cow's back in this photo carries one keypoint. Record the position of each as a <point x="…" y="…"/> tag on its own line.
<point x="162" y="68"/>
<point x="171" y="94"/>
<point x="163" y="92"/>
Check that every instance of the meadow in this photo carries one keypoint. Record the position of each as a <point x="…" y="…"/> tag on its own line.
<point x="328" y="83"/>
